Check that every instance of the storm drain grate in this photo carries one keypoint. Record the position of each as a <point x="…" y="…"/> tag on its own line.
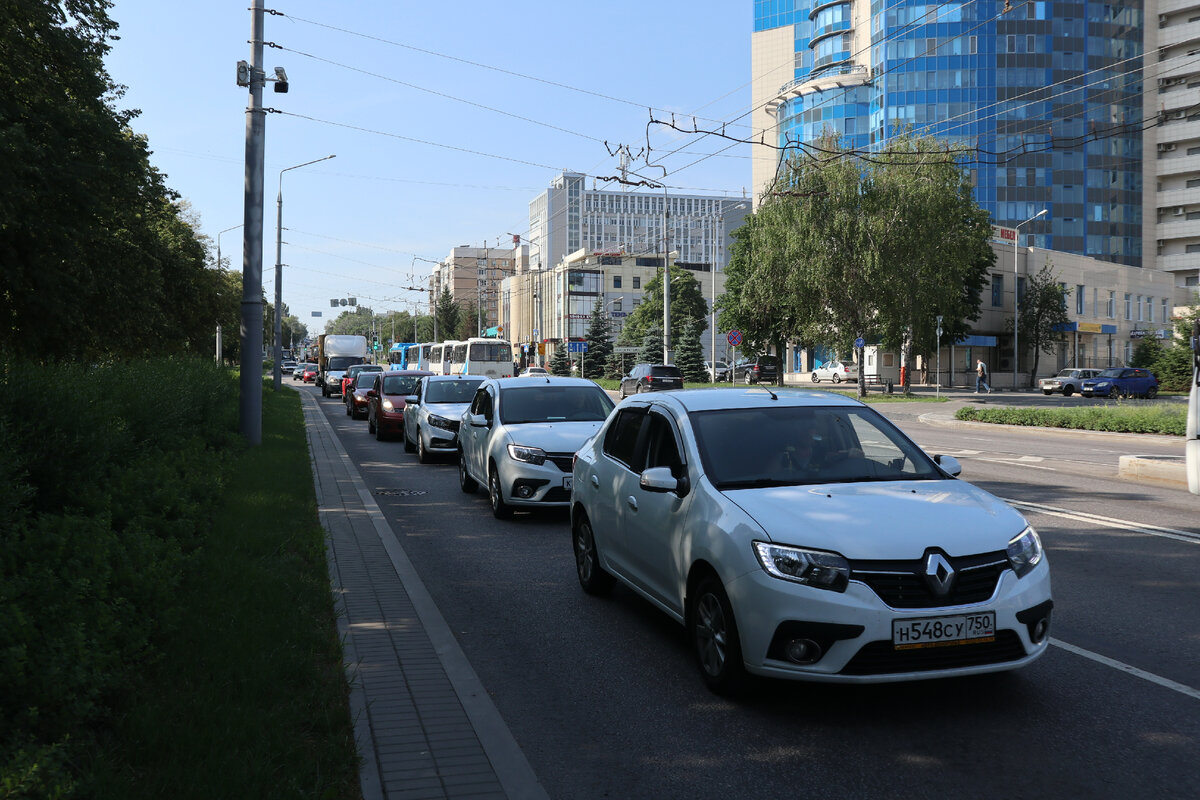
<point x="401" y="492"/>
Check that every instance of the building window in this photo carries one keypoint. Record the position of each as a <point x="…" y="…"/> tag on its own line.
<point x="1166" y="313"/>
<point x="1128" y="306"/>
<point x="1139" y="309"/>
<point x="1192" y="248"/>
<point x="1062" y="294"/>
<point x="637" y="282"/>
<point x="1112" y="305"/>
<point x="1149" y="309"/>
<point x="1080" y="300"/>
<point x="616" y="281"/>
<point x="997" y="291"/>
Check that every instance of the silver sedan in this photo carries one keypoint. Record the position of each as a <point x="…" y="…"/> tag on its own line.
<point x="431" y="416"/>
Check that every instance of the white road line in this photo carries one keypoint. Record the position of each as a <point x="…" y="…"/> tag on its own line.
<point x="1191" y="537"/>
<point x="1015" y="463"/>
<point x="1134" y="671"/>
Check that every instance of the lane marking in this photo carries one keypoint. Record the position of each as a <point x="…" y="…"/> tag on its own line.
<point x="1166" y="683"/>
<point x="1016" y="463"/>
<point x="1190" y="537"/>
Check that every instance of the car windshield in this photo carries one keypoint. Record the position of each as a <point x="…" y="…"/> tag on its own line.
<point x="554" y="404"/>
<point x="365" y="380"/>
<point x="451" y="391"/>
<point x="791" y="445"/>
<point x="1112" y="372"/>
<point x="400" y="384"/>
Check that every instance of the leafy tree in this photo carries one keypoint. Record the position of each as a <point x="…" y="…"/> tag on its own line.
<point x="614" y="366"/>
<point x="560" y="362"/>
<point x="1043" y="306"/>
<point x="689" y="355"/>
<point x="687" y="303"/>
<point x="1173" y="368"/>
<point x="468" y="321"/>
<point x="1147" y="351"/>
<point x="599" y="348"/>
<point x="652" y="347"/>
<point x="746" y="305"/>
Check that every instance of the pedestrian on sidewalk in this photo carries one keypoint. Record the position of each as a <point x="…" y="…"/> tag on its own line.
<point x="981" y="378"/>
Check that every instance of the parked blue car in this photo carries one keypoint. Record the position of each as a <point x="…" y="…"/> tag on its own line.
<point x="1121" y="382"/>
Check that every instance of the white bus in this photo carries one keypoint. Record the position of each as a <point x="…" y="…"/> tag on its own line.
<point x="439" y="357"/>
<point x="492" y="358"/>
<point x="417" y="356"/>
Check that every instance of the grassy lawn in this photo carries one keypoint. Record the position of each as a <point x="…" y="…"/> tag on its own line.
<point x="249" y="698"/>
<point x="1133" y="418"/>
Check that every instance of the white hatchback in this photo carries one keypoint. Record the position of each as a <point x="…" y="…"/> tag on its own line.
<point x="801" y="535"/>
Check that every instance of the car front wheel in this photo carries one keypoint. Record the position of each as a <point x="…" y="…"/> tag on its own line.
<point x="837" y="378"/>
<point x="1152" y="393"/>
<point x="423" y="454"/>
<point x="500" y="509"/>
<point x="408" y="445"/>
<point x="592" y="577"/>
<point x="815" y="379"/>
<point x="715" y="638"/>
<point x="749" y="380"/>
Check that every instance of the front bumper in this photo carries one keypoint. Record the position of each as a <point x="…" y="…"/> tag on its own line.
<point x="857" y="630"/>
<point x="537" y="485"/>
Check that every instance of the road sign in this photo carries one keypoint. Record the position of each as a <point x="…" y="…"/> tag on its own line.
<point x="734" y="338"/>
<point x="576" y="347"/>
<point x="622" y="350"/>
<point x="860" y="342"/>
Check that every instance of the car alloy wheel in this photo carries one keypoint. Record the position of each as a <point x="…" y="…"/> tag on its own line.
<point x="423" y="454"/>
<point x="748" y="379"/>
<point x="592" y="577"/>
<point x="837" y="378"/>
<point x="1152" y="393"/>
<point x="715" y="637"/>
<point x="500" y="509"/>
<point x="815" y="378"/>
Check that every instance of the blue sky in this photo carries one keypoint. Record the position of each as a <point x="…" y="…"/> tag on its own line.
<point x="380" y="84"/>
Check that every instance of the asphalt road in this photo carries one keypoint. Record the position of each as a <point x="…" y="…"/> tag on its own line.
<point x="603" y="697"/>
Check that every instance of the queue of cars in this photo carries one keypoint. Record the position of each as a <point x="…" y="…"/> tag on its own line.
<point x="792" y="534"/>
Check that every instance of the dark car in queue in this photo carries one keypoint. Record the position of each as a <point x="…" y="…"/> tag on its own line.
<point x="355" y="395"/>
<point x="352" y="373"/>
<point x="651" y="378"/>
<point x="386" y="400"/>
<point x="433" y="413"/>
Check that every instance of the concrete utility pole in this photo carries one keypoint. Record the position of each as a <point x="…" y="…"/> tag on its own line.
<point x="250" y="381"/>
<point x="666" y="281"/>
<point x="1017" y="297"/>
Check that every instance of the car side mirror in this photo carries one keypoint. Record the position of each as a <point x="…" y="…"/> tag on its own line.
<point x="411" y="400"/>
<point x="949" y="464"/>
<point x="372" y="393"/>
<point x="659" y="479"/>
<point x="477" y="420"/>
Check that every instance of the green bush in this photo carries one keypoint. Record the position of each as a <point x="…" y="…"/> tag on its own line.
<point x="1157" y="418"/>
<point x="110" y="478"/>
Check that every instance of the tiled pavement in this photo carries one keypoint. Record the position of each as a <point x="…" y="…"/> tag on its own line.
<point x="425" y="726"/>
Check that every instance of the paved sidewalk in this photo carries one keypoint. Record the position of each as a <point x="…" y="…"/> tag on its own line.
<point x="424" y="725"/>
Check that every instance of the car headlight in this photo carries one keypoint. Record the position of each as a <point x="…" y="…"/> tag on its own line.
<point x="1102" y="385"/>
<point x="1025" y="552"/>
<point x="815" y="568"/>
<point x="441" y="422"/>
<point x="530" y="455"/>
<point x="387" y="406"/>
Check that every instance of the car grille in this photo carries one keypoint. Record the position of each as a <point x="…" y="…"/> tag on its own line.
<point x="564" y="461"/>
<point x="901" y="584"/>
<point x="882" y="658"/>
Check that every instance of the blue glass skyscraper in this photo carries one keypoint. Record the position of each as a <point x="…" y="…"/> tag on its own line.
<point x="1049" y="94"/>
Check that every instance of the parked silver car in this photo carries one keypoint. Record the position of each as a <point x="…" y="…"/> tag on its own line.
<point x="1067" y="381"/>
<point x="520" y="435"/>
<point x="432" y="415"/>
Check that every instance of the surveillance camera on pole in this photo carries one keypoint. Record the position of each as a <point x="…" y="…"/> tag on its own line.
<point x="281" y="81"/>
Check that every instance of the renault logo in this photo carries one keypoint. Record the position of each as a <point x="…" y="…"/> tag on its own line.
<point x="939" y="575"/>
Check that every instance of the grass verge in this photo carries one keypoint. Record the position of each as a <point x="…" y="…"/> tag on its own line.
<point x="874" y="395"/>
<point x="249" y="698"/>
<point x="1163" y="419"/>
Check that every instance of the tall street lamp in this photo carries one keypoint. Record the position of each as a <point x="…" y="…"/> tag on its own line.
<point x="277" y="350"/>
<point x="1017" y="296"/>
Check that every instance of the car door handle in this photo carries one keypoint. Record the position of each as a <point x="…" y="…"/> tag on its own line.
<point x="595" y="481"/>
<point x="632" y="501"/>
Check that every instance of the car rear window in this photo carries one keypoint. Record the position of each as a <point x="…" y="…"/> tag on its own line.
<point x="666" y="372"/>
<point x="768" y="361"/>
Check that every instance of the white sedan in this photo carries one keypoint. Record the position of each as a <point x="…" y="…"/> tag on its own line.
<point x="520" y="435"/>
<point x="801" y="535"/>
<point x="836" y="371"/>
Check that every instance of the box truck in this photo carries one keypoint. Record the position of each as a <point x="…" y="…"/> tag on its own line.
<point x="336" y="353"/>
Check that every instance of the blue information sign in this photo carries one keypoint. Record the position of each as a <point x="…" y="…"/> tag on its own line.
<point x="576" y="347"/>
